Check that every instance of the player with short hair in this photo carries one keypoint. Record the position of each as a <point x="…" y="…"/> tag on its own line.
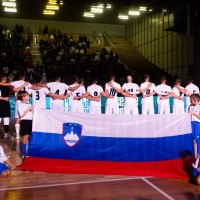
<point x="39" y="94"/>
<point x="112" y="88"/>
<point x="77" y="95"/>
<point x="95" y="92"/>
<point x="191" y="89"/>
<point x="60" y="89"/>
<point x="178" y="94"/>
<point x="164" y="91"/>
<point x="5" y="106"/>
<point x="19" y="85"/>
<point x="130" y="91"/>
<point x="148" y="90"/>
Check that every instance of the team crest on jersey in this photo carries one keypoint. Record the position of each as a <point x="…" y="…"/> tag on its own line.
<point x="72" y="133"/>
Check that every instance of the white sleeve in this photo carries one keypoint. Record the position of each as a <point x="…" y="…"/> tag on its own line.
<point x="66" y="87"/>
<point x="83" y="90"/>
<point x="107" y="87"/>
<point x="46" y="90"/>
<point x="14" y="84"/>
<point x="124" y="86"/>
<point x="137" y="88"/>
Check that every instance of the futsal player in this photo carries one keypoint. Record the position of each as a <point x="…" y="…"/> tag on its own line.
<point x="59" y="88"/>
<point x="95" y="92"/>
<point x="19" y="85"/>
<point x="5" y="106"/>
<point x="148" y="91"/>
<point x="76" y="96"/>
<point x="39" y="94"/>
<point x="112" y="88"/>
<point x="178" y="94"/>
<point x="191" y="89"/>
<point x="164" y="91"/>
<point x="130" y="91"/>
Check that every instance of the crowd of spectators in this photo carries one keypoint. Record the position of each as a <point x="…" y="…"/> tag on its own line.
<point x="68" y="56"/>
<point x="15" y="53"/>
<point x="61" y="53"/>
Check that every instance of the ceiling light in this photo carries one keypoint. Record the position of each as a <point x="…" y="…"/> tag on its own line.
<point x="96" y="10"/>
<point x="108" y="6"/>
<point x="8" y="9"/>
<point x="88" y="14"/>
<point x="134" y="12"/>
<point x="52" y="7"/>
<point x="8" y="4"/>
<point x="48" y="12"/>
<point x="125" y="17"/>
<point x="150" y="10"/>
<point x="143" y="8"/>
<point x="61" y="2"/>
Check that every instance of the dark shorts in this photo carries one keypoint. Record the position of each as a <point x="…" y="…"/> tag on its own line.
<point x="25" y="127"/>
<point x="3" y="167"/>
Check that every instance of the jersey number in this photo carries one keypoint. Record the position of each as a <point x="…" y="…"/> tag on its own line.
<point x="112" y="92"/>
<point x="57" y="92"/>
<point x="148" y="91"/>
<point x="95" y="93"/>
<point x="37" y="97"/>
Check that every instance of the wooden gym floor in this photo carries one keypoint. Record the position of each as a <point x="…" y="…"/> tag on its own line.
<point x="28" y="185"/>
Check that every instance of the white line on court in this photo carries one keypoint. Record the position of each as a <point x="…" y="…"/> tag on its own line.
<point x="158" y="189"/>
<point x="73" y="183"/>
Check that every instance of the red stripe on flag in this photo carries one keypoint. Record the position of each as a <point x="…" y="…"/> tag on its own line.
<point x="167" y="169"/>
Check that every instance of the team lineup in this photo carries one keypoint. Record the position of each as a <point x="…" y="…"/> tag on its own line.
<point x="59" y="91"/>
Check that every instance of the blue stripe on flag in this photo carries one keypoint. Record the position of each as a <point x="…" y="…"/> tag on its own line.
<point x="49" y="145"/>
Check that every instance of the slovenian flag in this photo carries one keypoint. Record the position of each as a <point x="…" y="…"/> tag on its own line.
<point x="151" y="145"/>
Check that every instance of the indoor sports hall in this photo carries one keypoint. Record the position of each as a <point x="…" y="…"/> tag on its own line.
<point x="99" y="99"/>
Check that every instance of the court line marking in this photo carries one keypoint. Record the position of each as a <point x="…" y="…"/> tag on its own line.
<point x="72" y="183"/>
<point x="158" y="189"/>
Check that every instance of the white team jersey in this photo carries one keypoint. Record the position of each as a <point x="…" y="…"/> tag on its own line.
<point x="163" y="90"/>
<point x="131" y="88"/>
<point x="22" y="107"/>
<point x="3" y="156"/>
<point x="78" y="92"/>
<point x="177" y="93"/>
<point x="19" y="83"/>
<point x="150" y="90"/>
<point x="39" y="97"/>
<point x="58" y="88"/>
<point x="95" y="90"/>
<point x="112" y="92"/>
<point x="195" y="109"/>
<point x="192" y="89"/>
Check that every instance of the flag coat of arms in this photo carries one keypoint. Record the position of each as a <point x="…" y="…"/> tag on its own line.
<point x="150" y="145"/>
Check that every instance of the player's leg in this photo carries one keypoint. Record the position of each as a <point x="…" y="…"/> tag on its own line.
<point x="17" y="122"/>
<point x="175" y="109"/>
<point x="160" y="108"/>
<point x="144" y="109"/>
<point x="127" y="110"/>
<point x="80" y="108"/>
<point x="167" y="108"/>
<point x="6" y="127"/>
<point x="151" y="109"/>
<point x="115" y="108"/>
<point x="108" y="110"/>
<point x="135" y="109"/>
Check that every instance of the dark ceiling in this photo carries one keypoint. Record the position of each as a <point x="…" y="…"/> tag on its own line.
<point x="72" y="10"/>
